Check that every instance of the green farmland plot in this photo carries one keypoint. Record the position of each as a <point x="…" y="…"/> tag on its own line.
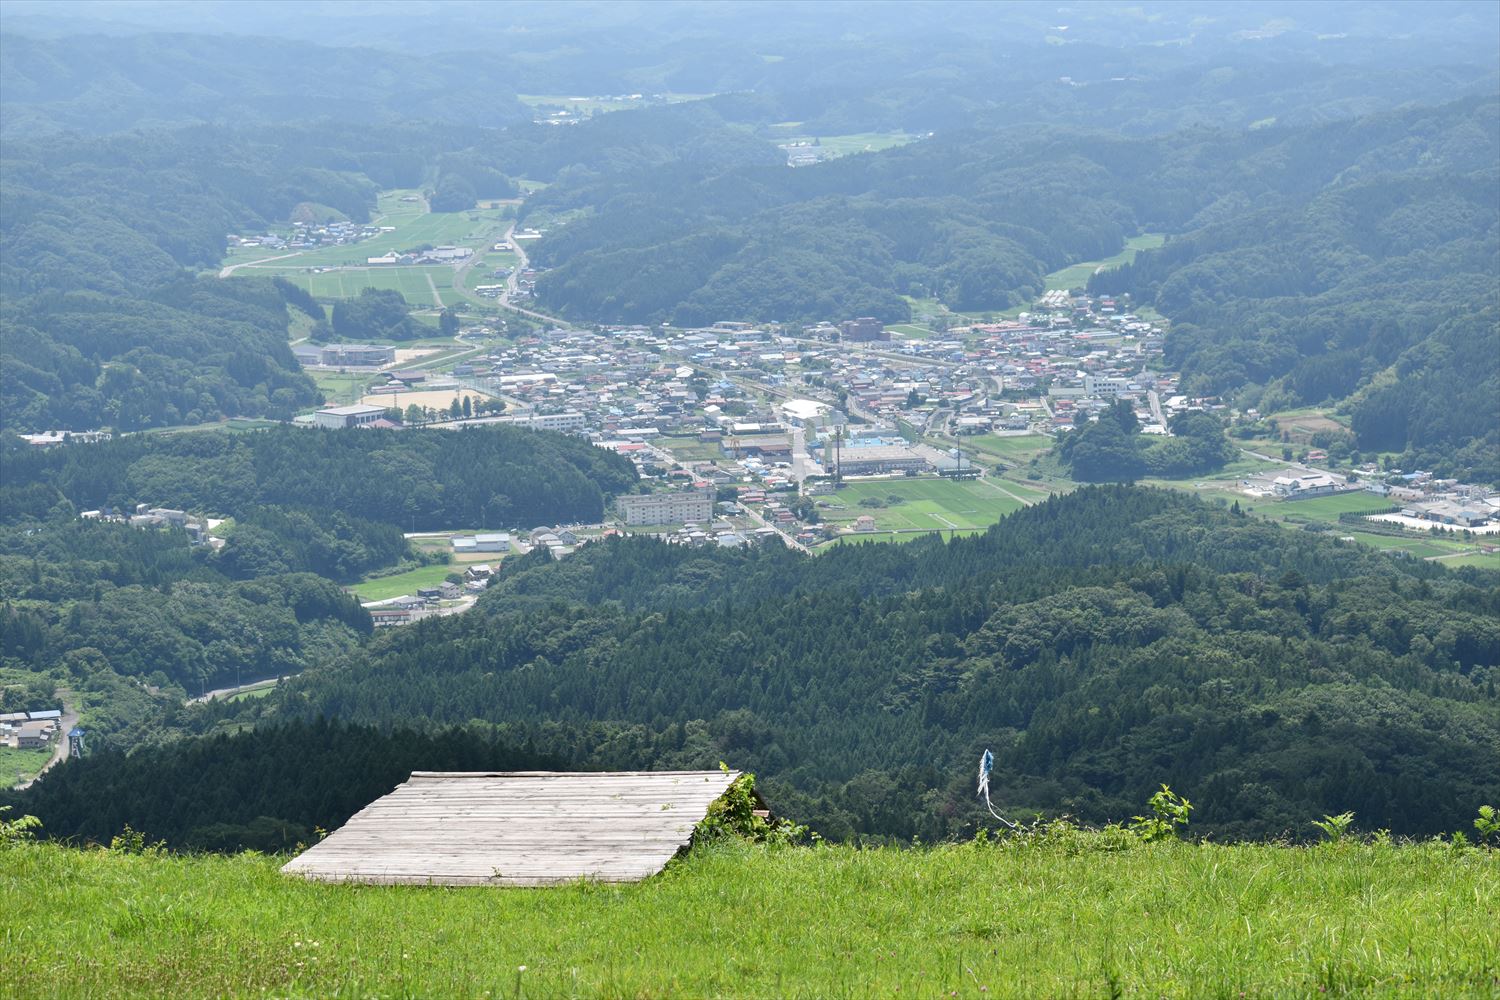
<point x="416" y="284"/>
<point x="21" y="764"/>
<point x="844" y="145"/>
<point x="341" y="271"/>
<point x="381" y="588"/>
<point x="926" y="504"/>
<point x="1077" y="275"/>
<point x="1482" y="560"/>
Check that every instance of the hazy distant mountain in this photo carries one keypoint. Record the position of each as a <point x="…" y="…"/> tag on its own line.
<point x="98" y="83"/>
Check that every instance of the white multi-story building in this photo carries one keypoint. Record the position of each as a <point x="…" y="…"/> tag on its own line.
<point x="666" y="508"/>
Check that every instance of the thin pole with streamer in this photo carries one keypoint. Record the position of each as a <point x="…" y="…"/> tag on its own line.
<point x="986" y="765"/>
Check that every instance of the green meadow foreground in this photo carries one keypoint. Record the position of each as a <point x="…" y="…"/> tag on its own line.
<point x="1066" y="915"/>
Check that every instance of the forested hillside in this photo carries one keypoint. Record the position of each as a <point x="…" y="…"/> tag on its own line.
<point x="973" y="217"/>
<point x="416" y="480"/>
<point x="102" y="608"/>
<point x="1379" y="283"/>
<point x="101" y="324"/>
<point x="128" y="653"/>
<point x="1101" y="643"/>
<point x="266" y="790"/>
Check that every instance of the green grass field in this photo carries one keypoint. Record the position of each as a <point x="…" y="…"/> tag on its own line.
<point x="341" y="390"/>
<point x="1077" y="275"/>
<point x="482" y="273"/>
<point x="843" y="145"/>
<point x="1015" y="448"/>
<point x="687" y="448"/>
<point x="1329" y="508"/>
<point x="1483" y="560"/>
<point x="1063" y="917"/>
<point x="22" y="764"/>
<point x="380" y="588"/>
<point x="416" y="284"/>
<point x="929" y="504"/>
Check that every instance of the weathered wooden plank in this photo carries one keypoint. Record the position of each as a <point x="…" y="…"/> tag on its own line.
<point x="517" y="828"/>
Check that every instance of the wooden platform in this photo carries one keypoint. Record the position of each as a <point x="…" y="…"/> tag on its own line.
<point x="517" y="828"/>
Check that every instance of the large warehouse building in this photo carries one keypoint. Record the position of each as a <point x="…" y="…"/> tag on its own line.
<point x="874" y="459"/>
<point x="356" y="415"/>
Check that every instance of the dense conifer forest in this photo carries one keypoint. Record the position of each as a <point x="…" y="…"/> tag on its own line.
<point x="416" y="480"/>
<point x="1101" y="643"/>
<point x="131" y="619"/>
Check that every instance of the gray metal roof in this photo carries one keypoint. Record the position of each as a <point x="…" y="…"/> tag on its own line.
<point x="517" y="828"/>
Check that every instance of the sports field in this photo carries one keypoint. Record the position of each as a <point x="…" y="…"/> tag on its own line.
<point x="420" y="286"/>
<point x="926" y="504"/>
<point x="911" y="331"/>
<point x="1329" y="508"/>
<point x="687" y="448"/>
<point x="1008" y="447"/>
<point x="438" y="399"/>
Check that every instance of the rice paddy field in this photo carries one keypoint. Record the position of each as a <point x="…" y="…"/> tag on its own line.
<point x="841" y="145"/>
<point x="1065" y="915"/>
<point x="341" y="272"/>
<point x="928" y="504"/>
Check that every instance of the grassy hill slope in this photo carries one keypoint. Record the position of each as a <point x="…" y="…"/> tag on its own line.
<point x="1062" y="914"/>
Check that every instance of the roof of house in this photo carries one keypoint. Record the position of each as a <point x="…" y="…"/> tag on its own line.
<point x="517" y="828"/>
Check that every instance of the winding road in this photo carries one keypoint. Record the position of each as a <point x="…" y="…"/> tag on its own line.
<point x="59" y="752"/>
<point x="226" y="272"/>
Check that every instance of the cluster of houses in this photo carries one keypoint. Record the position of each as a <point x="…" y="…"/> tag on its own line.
<point x="431" y="255"/>
<point x="311" y="235"/>
<point x="199" y="529"/>
<point x="431" y="600"/>
<point x="31" y="730"/>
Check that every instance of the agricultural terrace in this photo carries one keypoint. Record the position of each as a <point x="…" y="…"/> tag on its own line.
<point x="925" y="504"/>
<point x="1061" y="914"/>
<point x="1077" y="275"/>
